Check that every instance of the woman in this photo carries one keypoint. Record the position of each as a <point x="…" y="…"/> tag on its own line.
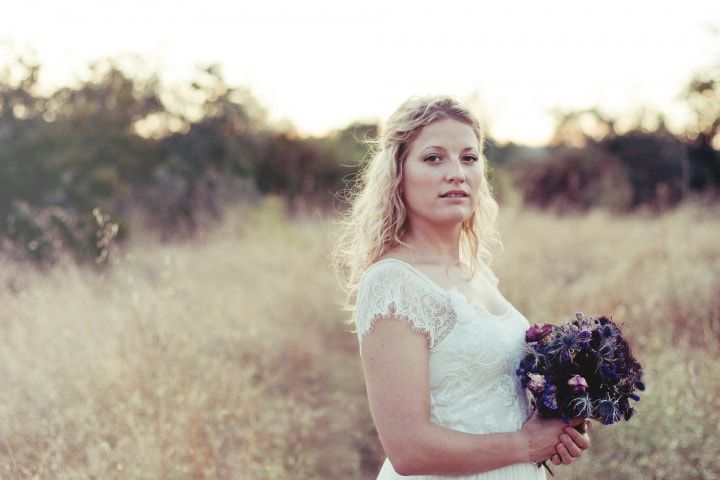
<point x="439" y="343"/>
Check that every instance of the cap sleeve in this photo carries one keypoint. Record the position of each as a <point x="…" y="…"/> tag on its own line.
<point x="392" y="289"/>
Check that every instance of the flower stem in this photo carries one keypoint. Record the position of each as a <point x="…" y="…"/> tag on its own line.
<point x="544" y="464"/>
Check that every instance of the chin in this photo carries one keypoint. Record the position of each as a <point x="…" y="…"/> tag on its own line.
<point x="455" y="219"/>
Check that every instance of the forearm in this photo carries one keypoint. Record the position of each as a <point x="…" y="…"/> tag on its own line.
<point x="436" y="450"/>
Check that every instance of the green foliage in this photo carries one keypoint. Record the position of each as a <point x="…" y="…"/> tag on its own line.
<point x="121" y="141"/>
<point x="46" y="235"/>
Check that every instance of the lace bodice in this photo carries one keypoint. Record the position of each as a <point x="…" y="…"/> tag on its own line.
<point x="473" y="355"/>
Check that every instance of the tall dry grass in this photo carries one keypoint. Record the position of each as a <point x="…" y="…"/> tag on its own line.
<point x="228" y="358"/>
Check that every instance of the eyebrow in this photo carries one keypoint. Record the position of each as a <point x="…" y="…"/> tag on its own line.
<point x="444" y="150"/>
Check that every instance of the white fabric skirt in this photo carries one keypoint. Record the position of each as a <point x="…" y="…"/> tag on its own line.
<point x="518" y="471"/>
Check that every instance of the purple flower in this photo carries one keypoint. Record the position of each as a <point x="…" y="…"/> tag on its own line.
<point x="536" y="383"/>
<point x="607" y="411"/>
<point x="578" y="384"/>
<point x="567" y="342"/>
<point x="538" y="332"/>
<point x="583" y="338"/>
<point x="608" y="374"/>
<point x="549" y="399"/>
<point x="581" y="369"/>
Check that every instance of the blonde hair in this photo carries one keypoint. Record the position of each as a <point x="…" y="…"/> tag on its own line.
<point x="377" y="219"/>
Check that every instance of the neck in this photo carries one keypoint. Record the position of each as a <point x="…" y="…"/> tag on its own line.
<point x="435" y="245"/>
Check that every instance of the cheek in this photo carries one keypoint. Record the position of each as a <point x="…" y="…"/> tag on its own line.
<point x="418" y="187"/>
<point x="475" y="179"/>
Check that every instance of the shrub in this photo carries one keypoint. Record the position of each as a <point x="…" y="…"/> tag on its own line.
<point x="45" y="235"/>
<point x="575" y="180"/>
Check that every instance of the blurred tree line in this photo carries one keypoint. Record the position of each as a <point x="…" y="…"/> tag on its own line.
<point x="77" y="164"/>
<point x="591" y="162"/>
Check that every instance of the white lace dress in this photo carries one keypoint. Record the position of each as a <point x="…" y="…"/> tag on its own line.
<point x="473" y="356"/>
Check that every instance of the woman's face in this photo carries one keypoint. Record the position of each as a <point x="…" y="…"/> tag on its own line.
<point x="442" y="174"/>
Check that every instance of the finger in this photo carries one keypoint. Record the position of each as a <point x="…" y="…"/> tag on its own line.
<point x="574" y="450"/>
<point x="580" y="424"/>
<point x="556" y="459"/>
<point x="582" y="440"/>
<point x="564" y="454"/>
<point x="577" y="421"/>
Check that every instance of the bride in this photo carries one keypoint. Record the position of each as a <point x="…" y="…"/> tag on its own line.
<point x="439" y="343"/>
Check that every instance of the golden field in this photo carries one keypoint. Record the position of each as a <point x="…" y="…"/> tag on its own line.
<point x="227" y="357"/>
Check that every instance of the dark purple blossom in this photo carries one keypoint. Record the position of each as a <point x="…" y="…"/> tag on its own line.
<point x="608" y="374"/>
<point x="538" y="332"/>
<point x="549" y="399"/>
<point x="607" y="411"/>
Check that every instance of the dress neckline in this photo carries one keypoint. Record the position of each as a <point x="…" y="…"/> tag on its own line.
<point x="447" y="291"/>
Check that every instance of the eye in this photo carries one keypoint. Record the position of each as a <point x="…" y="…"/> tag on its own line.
<point x="470" y="158"/>
<point x="432" y="158"/>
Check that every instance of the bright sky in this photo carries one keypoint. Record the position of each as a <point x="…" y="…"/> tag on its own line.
<point x="322" y="64"/>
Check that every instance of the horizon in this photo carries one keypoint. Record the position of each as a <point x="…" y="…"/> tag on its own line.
<point x="308" y="64"/>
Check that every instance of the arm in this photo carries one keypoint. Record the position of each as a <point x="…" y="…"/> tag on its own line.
<point x="395" y="361"/>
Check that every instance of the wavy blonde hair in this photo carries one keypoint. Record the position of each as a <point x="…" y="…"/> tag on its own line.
<point x="376" y="221"/>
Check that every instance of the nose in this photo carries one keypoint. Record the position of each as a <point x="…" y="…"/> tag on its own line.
<point x="455" y="173"/>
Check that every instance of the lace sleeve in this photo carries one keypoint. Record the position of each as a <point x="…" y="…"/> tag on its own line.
<point x="392" y="289"/>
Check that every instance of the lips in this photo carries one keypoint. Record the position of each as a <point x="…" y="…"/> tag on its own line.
<point x="455" y="194"/>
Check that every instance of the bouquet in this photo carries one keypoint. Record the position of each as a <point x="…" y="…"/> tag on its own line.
<point x="583" y="369"/>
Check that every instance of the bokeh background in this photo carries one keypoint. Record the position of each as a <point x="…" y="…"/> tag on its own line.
<point x="170" y="178"/>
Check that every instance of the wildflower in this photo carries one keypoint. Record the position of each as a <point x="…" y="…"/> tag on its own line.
<point x="549" y="398"/>
<point x="583" y="338"/>
<point x="578" y="384"/>
<point x="530" y="363"/>
<point x="607" y="411"/>
<point x="536" y="383"/>
<point x="538" y="332"/>
<point x="567" y="342"/>
<point x="608" y="374"/>
<point x="606" y="351"/>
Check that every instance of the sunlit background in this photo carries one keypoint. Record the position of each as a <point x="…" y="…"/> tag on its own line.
<point x="172" y="173"/>
<point x="322" y="64"/>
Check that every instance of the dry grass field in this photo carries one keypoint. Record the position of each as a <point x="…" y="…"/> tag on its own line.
<point x="227" y="357"/>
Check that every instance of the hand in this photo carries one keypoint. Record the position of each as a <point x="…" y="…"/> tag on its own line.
<point x="572" y="442"/>
<point x="541" y="436"/>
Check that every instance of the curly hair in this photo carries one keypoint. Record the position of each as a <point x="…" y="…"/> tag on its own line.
<point x="377" y="219"/>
